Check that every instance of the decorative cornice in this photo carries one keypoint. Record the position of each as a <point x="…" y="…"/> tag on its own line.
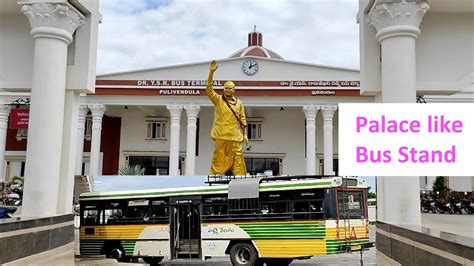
<point x="192" y="110"/>
<point x="97" y="110"/>
<point x="5" y="109"/>
<point x="175" y="111"/>
<point x="391" y="18"/>
<point x="328" y="111"/>
<point x="54" y="20"/>
<point x="310" y="111"/>
<point x="4" y="114"/>
<point x="83" y="110"/>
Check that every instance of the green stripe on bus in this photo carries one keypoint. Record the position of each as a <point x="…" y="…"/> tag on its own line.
<point x="128" y="246"/>
<point x="332" y="245"/>
<point x="282" y="225"/>
<point x="286" y="230"/>
<point x="295" y="185"/>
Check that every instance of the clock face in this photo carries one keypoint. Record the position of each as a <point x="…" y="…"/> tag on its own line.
<point x="250" y="67"/>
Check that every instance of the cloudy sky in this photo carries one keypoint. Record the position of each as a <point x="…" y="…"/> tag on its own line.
<point x="138" y="34"/>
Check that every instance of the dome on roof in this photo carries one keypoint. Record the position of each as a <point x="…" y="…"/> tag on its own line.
<point x="255" y="48"/>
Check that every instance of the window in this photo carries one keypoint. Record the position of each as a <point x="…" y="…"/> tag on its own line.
<point x="244" y="206"/>
<point x="156" y="128"/>
<point x="90" y="215"/>
<point x="254" y="128"/>
<point x="138" y="211"/>
<point x="159" y="211"/>
<point x="261" y="166"/>
<point x="22" y="133"/>
<point x="214" y="207"/>
<point x="154" y="165"/>
<point x="276" y="205"/>
<point x="309" y="204"/>
<point x="350" y="204"/>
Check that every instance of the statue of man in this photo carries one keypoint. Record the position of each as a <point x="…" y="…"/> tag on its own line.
<point x="229" y="128"/>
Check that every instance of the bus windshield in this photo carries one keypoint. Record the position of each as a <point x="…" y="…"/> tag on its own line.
<point x="350" y="204"/>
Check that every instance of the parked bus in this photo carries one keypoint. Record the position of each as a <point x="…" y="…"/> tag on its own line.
<point x="270" y="220"/>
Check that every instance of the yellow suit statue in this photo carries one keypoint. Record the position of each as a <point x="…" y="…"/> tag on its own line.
<point x="229" y="128"/>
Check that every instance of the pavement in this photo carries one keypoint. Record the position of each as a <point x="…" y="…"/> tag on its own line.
<point x="451" y="223"/>
<point x="457" y="224"/>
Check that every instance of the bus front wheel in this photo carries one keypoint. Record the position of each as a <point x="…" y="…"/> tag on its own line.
<point x="152" y="260"/>
<point x="243" y="254"/>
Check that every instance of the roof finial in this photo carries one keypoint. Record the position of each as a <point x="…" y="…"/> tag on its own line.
<point x="254" y="28"/>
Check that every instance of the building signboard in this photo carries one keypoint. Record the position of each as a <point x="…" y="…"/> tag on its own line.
<point x="19" y="118"/>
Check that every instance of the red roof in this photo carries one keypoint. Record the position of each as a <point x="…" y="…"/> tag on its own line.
<point x="255" y="48"/>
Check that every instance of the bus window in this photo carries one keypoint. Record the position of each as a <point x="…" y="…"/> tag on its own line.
<point x="113" y="216"/>
<point x="159" y="212"/>
<point x="90" y="216"/>
<point x="276" y="205"/>
<point x="308" y="204"/>
<point x="351" y="204"/>
<point x="244" y="206"/>
<point x="308" y="210"/>
<point x="214" y="208"/>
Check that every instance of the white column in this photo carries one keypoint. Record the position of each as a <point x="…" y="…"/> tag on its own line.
<point x="192" y="112"/>
<point x="97" y="111"/>
<point x="4" y="113"/>
<point x="68" y="153"/>
<point x="175" y="113"/>
<point x="83" y="110"/>
<point x="397" y="26"/>
<point x="52" y="28"/>
<point x="310" y="112"/>
<point x="328" y="114"/>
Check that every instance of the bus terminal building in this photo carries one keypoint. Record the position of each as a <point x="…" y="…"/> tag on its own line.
<point x="161" y="118"/>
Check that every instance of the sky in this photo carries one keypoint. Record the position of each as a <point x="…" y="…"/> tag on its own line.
<point x="136" y="34"/>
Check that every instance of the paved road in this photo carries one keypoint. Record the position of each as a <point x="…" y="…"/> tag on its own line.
<point x="341" y="259"/>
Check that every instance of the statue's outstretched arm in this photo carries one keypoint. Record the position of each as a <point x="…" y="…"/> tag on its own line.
<point x="209" y="89"/>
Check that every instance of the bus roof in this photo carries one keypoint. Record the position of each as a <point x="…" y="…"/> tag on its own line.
<point x="220" y="189"/>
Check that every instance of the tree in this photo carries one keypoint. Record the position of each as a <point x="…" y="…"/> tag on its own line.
<point x="370" y="194"/>
<point x="132" y="170"/>
<point x="439" y="185"/>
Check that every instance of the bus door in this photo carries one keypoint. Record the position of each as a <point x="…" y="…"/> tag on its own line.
<point x="185" y="227"/>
